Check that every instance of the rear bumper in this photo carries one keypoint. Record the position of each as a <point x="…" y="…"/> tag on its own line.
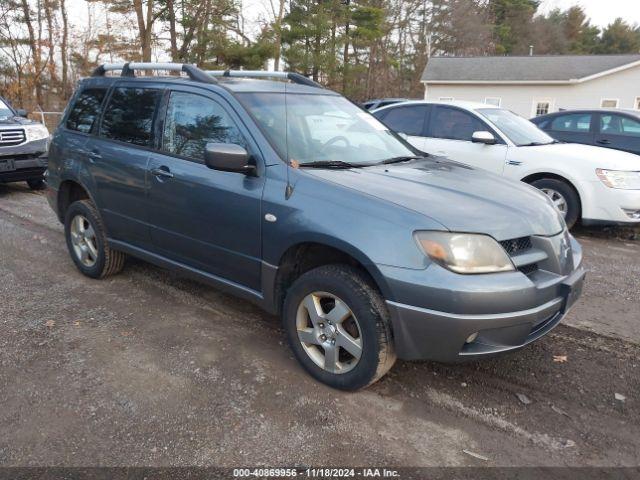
<point x="420" y="333"/>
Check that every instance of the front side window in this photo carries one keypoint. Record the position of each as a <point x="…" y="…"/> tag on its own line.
<point x="454" y="124"/>
<point x="128" y="116"/>
<point x="577" y="123"/>
<point x="315" y="128"/>
<point x="86" y="110"/>
<point x="520" y="131"/>
<point x="619" y="125"/>
<point x="408" y="120"/>
<point x="192" y="121"/>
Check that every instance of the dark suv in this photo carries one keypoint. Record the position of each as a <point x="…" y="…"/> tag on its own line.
<point x="288" y="195"/>
<point x="23" y="147"/>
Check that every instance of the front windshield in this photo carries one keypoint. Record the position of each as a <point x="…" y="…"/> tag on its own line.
<point x="320" y="128"/>
<point x="520" y="131"/>
<point x="5" y="111"/>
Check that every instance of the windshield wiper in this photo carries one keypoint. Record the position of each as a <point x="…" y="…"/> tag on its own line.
<point x="405" y="158"/>
<point x="331" y="164"/>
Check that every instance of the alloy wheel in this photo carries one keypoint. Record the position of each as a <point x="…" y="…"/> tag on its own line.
<point x="558" y="200"/>
<point x="83" y="239"/>
<point x="329" y="332"/>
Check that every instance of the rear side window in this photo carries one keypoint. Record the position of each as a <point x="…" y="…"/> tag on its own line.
<point x="192" y="121"/>
<point x="576" y="122"/>
<point x="619" y="125"/>
<point x="86" y="110"/>
<point x="408" y="120"/>
<point x="128" y="117"/>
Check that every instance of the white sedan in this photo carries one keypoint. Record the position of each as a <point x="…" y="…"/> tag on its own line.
<point x="596" y="185"/>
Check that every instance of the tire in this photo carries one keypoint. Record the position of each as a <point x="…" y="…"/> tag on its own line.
<point x="365" y="322"/>
<point x="37" y="184"/>
<point x="549" y="185"/>
<point x="101" y="260"/>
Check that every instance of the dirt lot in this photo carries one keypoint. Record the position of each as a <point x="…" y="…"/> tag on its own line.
<point x="147" y="368"/>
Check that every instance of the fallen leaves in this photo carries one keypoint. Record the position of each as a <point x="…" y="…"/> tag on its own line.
<point x="559" y="358"/>
<point x="50" y="323"/>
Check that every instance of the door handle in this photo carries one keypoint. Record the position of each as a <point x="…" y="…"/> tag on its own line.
<point x="604" y="142"/>
<point x="163" y="172"/>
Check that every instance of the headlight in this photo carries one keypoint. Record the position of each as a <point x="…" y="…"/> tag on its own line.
<point x="36" y="132"/>
<point x="619" y="179"/>
<point x="465" y="252"/>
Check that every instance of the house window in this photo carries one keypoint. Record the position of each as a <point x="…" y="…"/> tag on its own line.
<point x="637" y="103"/>
<point x="446" y="99"/>
<point x="493" y="101"/>
<point x="609" y="103"/>
<point x="542" y="108"/>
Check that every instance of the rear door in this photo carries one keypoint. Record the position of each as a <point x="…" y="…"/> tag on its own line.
<point x="572" y="128"/>
<point x="119" y="155"/>
<point x="618" y="131"/>
<point x="207" y="219"/>
<point x="449" y="135"/>
<point x="408" y="120"/>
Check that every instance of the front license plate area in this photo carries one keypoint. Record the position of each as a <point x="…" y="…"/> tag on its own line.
<point x="7" y="165"/>
<point x="572" y="289"/>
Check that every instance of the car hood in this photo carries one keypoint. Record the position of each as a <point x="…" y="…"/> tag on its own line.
<point x="599" y="156"/>
<point x="457" y="196"/>
<point x="17" y="121"/>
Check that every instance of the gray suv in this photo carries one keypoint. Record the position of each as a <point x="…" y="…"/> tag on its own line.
<point x="290" y="196"/>
<point x="23" y="147"/>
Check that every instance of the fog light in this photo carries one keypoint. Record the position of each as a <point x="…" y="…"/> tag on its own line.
<point x="472" y="338"/>
<point x="633" y="214"/>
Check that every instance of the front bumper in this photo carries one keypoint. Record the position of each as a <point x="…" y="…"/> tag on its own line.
<point x="602" y="205"/>
<point x="434" y="312"/>
<point x="23" y="162"/>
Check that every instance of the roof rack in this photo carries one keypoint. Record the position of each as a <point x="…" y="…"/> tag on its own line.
<point x="128" y="70"/>
<point x="294" y="77"/>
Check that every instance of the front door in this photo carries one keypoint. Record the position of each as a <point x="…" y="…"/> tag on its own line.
<point x="206" y="219"/>
<point x="617" y="131"/>
<point x="449" y="135"/>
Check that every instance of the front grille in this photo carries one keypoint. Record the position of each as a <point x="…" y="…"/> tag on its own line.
<point x="516" y="245"/>
<point x="529" y="269"/>
<point x="9" y="138"/>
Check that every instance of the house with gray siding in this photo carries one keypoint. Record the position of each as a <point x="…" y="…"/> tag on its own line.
<point x="536" y="85"/>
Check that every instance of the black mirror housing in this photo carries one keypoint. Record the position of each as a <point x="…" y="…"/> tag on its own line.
<point x="228" y="157"/>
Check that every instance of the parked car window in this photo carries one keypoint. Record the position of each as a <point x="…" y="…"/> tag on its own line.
<point x="519" y="130"/>
<point x="408" y="120"/>
<point x="619" y="125"/>
<point x="192" y="121"/>
<point x="575" y="122"/>
<point x="128" y="116"/>
<point x="5" y="111"/>
<point x="86" y="110"/>
<point x="454" y="124"/>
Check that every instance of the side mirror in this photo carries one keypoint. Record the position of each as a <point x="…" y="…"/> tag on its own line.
<point x="483" y="137"/>
<point x="227" y="157"/>
<point x="22" y="112"/>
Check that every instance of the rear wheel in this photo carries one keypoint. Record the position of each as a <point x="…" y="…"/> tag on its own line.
<point x="87" y="241"/>
<point x="37" y="183"/>
<point x="338" y="327"/>
<point x="563" y="196"/>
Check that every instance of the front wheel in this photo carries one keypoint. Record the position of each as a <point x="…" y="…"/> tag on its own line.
<point x="563" y="196"/>
<point x="338" y="327"/>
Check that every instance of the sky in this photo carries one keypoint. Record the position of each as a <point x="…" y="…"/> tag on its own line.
<point x="601" y="12"/>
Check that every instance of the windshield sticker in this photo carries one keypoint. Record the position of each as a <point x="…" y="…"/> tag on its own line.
<point x="372" y="121"/>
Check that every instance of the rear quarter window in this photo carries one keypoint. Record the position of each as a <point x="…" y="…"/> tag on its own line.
<point x="86" y="110"/>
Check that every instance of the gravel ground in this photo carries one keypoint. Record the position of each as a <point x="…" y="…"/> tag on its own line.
<point x="147" y="368"/>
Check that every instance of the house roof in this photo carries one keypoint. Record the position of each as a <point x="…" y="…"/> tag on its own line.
<point x="529" y="69"/>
